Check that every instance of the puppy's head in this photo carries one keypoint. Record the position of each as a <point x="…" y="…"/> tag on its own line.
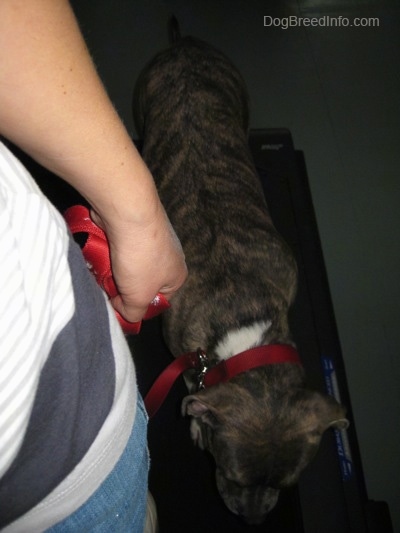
<point x="260" y="442"/>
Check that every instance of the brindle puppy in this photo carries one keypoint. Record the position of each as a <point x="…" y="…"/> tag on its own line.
<point x="263" y="426"/>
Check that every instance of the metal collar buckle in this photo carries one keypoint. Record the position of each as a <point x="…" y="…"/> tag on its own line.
<point x="202" y="369"/>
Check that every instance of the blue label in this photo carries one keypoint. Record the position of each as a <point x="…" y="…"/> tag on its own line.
<point x="341" y="437"/>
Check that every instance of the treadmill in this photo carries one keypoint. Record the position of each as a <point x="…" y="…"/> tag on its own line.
<point x="331" y="496"/>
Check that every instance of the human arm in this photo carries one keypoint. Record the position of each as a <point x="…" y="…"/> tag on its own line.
<point x="53" y="105"/>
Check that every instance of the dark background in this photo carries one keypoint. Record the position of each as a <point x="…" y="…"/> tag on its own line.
<point x="336" y="89"/>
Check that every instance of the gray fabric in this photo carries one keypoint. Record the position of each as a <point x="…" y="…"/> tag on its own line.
<point x="74" y="396"/>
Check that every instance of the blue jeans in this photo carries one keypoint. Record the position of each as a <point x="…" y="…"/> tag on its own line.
<point x="119" y="504"/>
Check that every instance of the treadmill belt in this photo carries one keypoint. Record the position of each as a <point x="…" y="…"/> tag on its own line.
<point x="330" y="497"/>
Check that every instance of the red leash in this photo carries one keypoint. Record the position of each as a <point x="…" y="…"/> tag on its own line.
<point x="220" y="373"/>
<point x="97" y="257"/>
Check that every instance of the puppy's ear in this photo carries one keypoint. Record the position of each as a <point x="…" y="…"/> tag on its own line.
<point x="335" y="413"/>
<point x="196" y="405"/>
<point x="331" y="414"/>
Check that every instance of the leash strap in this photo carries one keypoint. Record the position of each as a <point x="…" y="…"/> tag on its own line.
<point x="97" y="257"/>
<point x="163" y="384"/>
<point x="220" y="373"/>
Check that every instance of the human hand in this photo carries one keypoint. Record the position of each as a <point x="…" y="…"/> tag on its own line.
<point x="71" y="127"/>
<point x="145" y="260"/>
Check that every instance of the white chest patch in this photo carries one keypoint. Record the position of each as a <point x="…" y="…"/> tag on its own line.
<point x="242" y="339"/>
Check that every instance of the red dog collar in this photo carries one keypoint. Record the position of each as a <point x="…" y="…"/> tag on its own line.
<point x="220" y="373"/>
<point x="97" y="256"/>
<point x="270" y="354"/>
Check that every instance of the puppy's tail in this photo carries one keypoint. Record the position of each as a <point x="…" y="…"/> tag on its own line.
<point x="174" y="31"/>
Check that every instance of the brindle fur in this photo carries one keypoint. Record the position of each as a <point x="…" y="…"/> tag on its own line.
<point x="191" y="107"/>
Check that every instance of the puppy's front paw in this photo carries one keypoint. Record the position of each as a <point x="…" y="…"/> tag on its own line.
<point x="196" y="433"/>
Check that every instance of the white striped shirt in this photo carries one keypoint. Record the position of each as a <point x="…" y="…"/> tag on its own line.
<point x="36" y="298"/>
<point x="67" y="382"/>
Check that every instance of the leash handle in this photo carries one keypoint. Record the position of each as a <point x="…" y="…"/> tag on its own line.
<point x="97" y="256"/>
